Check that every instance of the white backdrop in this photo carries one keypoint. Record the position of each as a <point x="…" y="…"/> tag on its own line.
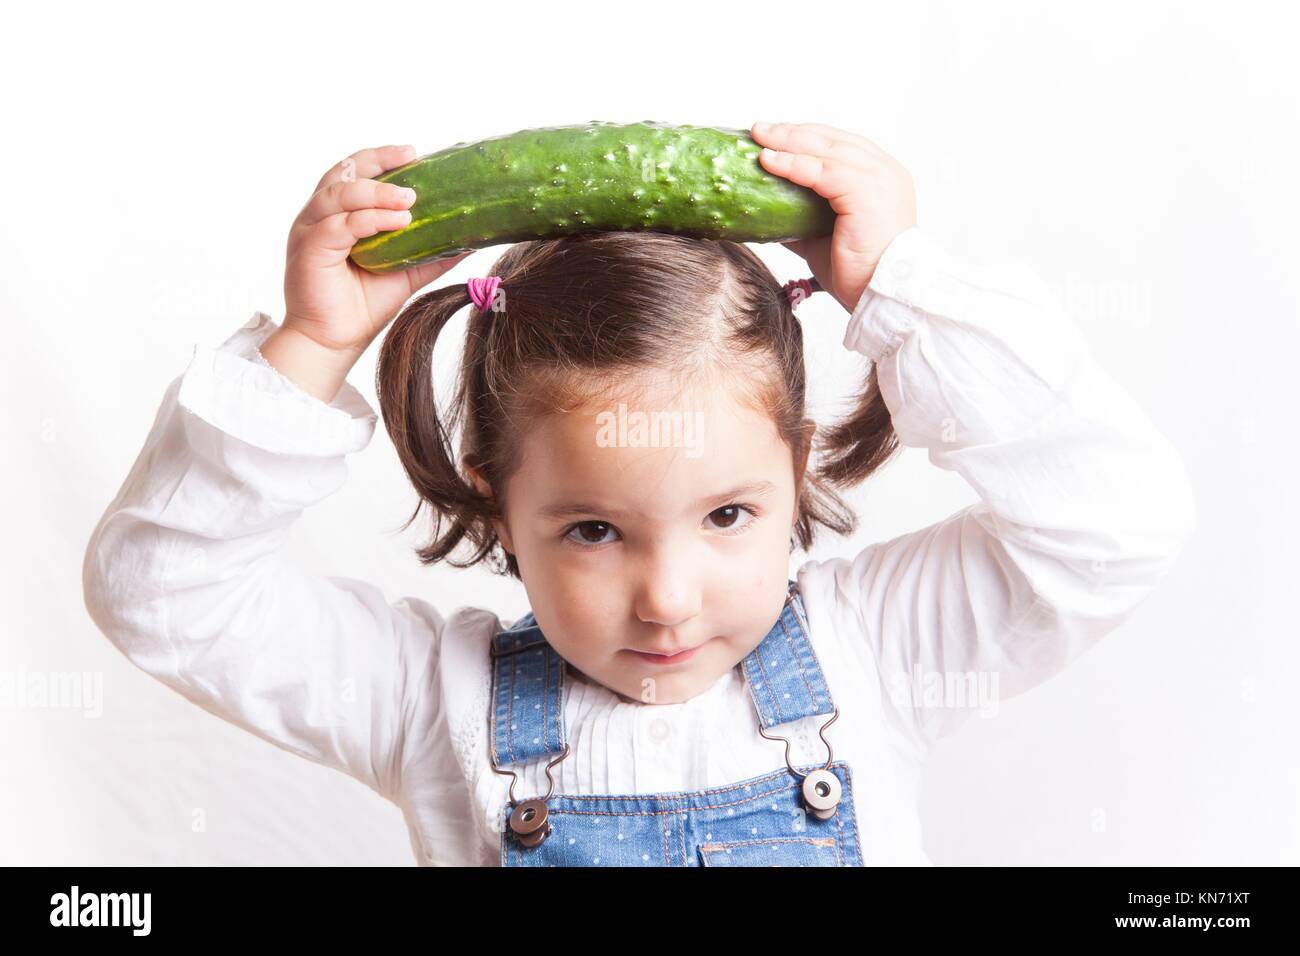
<point x="1141" y="158"/>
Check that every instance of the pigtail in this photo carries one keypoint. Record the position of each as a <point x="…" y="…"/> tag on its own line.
<point x="858" y="445"/>
<point x="422" y="437"/>
<point x="848" y="453"/>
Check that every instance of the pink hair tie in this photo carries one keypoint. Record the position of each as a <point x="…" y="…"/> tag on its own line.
<point x="483" y="290"/>
<point x="796" y="290"/>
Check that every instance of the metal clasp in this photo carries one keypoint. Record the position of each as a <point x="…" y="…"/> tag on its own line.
<point x="529" y="820"/>
<point x="821" y="788"/>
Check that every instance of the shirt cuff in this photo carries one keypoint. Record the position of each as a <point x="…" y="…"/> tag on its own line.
<point x="905" y="275"/>
<point x="233" y="388"/>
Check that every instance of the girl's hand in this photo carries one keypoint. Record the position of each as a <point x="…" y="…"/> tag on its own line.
<point x="328" y="298"/>
<point x="872" y="195"/>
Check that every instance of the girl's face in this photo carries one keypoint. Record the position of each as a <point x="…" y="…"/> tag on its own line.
<point x="654" y="527"/>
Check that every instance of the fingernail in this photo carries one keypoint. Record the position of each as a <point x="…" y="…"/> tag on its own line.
<point x="762" y="127"/>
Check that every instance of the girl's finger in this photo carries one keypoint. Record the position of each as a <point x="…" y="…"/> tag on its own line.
<point x="836" y="133"/>
<point x="340" y="232"/>
<point x="804" y="138"/>
<point x="835" y="181"/>
<point x="366" y="164"/>
<point x="349" y="196"/>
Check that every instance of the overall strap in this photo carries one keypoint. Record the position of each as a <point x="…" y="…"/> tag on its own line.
<point x="527" y="694"/>
<point x="785" y="681"/>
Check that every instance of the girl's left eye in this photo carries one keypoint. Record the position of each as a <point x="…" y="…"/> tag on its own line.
<point x="737" y="510"/>
<point x="729" y="515"/>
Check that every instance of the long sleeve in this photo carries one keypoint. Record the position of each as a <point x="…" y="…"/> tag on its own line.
<point x="1084" y="505"/>
<point x="187" y="572"/>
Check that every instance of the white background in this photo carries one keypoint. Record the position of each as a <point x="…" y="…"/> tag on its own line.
<point x="1141" y="157"/>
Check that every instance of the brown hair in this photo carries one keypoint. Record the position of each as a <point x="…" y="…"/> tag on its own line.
<point x="582" y="314"/>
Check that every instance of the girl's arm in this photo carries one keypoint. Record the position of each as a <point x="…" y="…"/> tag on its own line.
<point x="187" y="574"/>
<point x="1084" y="503"/>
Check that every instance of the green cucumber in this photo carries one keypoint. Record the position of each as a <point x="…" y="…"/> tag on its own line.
<point x="549" y="181"/>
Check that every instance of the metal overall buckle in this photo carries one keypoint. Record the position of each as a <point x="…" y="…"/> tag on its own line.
<point x="821" y="788"/>
<point x="529" y="820"/>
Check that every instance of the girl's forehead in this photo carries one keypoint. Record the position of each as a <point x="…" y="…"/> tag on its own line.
<point x="663" y="392"/>
<point x="651" y="419"/>
<point x="693" y="378"/>
<point x="630" y="450"/>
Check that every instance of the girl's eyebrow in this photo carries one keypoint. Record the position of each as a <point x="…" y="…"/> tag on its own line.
<point x="572" y="509"/>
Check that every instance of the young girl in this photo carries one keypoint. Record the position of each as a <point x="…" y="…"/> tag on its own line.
<point x="674" y="696"/>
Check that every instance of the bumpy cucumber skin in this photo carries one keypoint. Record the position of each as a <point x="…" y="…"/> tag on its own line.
<point x="699" y="181"/>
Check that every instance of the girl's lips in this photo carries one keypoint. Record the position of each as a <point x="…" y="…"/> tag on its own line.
<point x="667" y="658"/>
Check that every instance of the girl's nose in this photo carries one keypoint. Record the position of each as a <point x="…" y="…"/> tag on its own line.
<point x="668" y="596"/>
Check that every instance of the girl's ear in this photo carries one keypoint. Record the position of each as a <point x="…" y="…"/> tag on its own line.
<point x="484" y="489"/>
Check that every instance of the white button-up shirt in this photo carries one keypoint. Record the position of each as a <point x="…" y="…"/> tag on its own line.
<point x="1083" y="507"/>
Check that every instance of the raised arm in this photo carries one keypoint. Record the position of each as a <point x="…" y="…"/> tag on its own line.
<point x="1084" y="505"/>
<point x="187" y="573"/>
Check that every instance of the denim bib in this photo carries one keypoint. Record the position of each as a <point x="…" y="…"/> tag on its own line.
<point x="775" y="819"/>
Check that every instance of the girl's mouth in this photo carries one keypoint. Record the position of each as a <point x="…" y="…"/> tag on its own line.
<point x="663" y="659"/>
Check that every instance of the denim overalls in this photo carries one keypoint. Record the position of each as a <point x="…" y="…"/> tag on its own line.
<point x="793" y="816"/>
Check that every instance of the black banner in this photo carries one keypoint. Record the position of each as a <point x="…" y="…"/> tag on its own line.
<point x="917" y="906"/>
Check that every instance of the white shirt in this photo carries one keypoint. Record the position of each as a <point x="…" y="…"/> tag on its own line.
<point x="1084" y="507"/>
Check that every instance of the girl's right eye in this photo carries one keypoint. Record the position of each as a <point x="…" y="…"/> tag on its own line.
<point x="597" y="527"/>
